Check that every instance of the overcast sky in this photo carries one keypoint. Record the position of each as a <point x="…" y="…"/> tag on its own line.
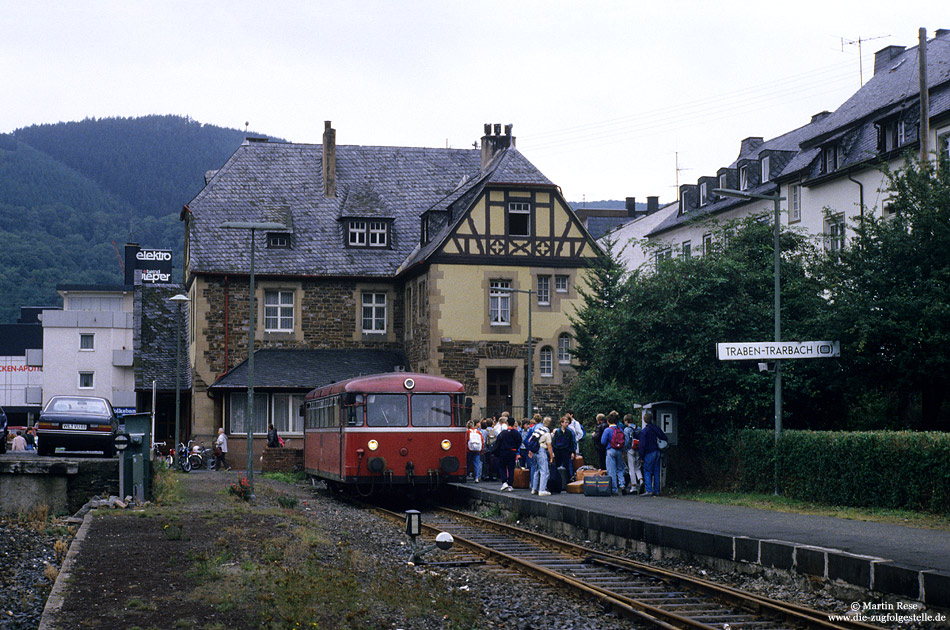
<point x="606" y="97"/>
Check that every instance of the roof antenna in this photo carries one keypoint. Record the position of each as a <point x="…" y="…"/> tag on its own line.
<point x="858" y="41"/>
<point x="246" y="125"/>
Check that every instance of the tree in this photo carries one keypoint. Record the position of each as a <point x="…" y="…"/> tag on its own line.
<point x="595" y="322"/>
<point x="890" y="294"/>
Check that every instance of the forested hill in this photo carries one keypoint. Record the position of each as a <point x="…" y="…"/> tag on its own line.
<point x="73" y="193"/>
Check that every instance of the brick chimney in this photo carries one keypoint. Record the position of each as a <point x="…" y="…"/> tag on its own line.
<point x="884" y="56"/>
<point x="329" y="160"/>
<point x="493" y="143"/>
<point x="631" y="205"/>
<point x="653" y="204"/>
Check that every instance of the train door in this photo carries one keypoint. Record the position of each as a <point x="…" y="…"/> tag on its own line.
<point x="500" y="384"/>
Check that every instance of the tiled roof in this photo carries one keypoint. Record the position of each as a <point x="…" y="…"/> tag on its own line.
<point x="263" y="181"/>
<point x="306" y="369"/>
<point x="156" y="321"/>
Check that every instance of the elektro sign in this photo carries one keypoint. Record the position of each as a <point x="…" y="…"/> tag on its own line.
<point x="777" y="350"/>
<point x="156" y="265"/>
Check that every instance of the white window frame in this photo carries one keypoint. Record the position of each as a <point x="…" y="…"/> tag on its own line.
<point x="92" y="380"/>
<point x="707" y="243"/>
<point x="278" y="241"/>
<point x="561" y="283"/>
<point x="356" y="233"/>
<point x="237" y="413"/>
<point x="687" y="250"/>
<point x="835" y="233"/>
<point x="544" y="290"/>
<point x="92" y="342"/>
<point x="724" y="180"/>
<point x="278" y="310"/>
<point x="292" y="422"/>
<point x="794" y="203"/>
<point x="520" y="208"/>
<point x="378" y="234"/>
<point x="546" y="361"/>
<point x="499" y="303"/>
<point x="744" y="177"/>
<point x="563" y="349"/>
<point x="703" y="193"/>
<point x="765" y="170"/>
<point x="374" y="312"/>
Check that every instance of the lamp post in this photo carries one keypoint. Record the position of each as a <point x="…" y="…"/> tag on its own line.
<point x="249" y="415"/>
<point x="178" y="300"/>
<point x="777" y="261"/>
<point x="529" y="292"/>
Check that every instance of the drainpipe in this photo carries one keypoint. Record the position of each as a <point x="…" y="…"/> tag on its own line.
<point x="860" y="193"/>
<point x="227" y="322"/>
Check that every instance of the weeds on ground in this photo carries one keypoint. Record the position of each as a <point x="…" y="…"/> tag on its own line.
<point x="286" y="477"/>
<point x="286" y="501"/>
<point x="165" y="487"/>
<point x="493" y="511"/>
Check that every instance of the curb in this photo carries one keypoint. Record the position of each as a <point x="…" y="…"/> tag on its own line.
<point x="55" y="600"/>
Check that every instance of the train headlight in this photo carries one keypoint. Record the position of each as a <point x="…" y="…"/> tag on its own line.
<point x="446" y="445"/>
<point x="373" y="445"/>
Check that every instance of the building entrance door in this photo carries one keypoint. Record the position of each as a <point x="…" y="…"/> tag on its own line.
<point x="500" y="383"/>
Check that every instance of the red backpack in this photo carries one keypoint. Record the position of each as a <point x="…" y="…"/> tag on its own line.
<point x="617" y="439"/>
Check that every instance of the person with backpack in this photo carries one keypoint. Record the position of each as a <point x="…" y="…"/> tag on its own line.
<point x="599" y="444"/>
<point x="613" y="441"/>
<point x="632" y="433"/>
<point x="650" y="435"/>
<point x="564" y="444"/>
<point x="509" y="441"/>
<point x="475" y="448"/>
<point x="541" y="452"/>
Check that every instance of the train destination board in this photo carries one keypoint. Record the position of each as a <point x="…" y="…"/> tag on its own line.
<point x="774" y="350"/>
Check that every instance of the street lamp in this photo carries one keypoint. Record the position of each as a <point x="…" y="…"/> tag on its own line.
<point x="179" y="300"/>
<point x="249" y="416"/>
<point x="530" y="409"/>
<point x="777" y="260"/>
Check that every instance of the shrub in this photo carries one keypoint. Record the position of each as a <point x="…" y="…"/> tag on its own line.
<point x="242" y="488"/>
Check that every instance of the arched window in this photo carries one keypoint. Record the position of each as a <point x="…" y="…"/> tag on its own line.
<point x="547" y="361"/>
<point x="564" y="348"/>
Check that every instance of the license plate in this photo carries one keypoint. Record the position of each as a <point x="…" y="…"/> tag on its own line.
<point x="74" y="427"/>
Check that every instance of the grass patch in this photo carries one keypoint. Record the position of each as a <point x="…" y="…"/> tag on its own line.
<point x="286" y="477"/>
<point x="165" y="487"/>
<point x="785" y="504"/>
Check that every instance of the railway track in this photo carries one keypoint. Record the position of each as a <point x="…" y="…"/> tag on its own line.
<point x="654" y="596"/>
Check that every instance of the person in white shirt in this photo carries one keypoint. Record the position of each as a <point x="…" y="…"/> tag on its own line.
<point x="221" y="450"/>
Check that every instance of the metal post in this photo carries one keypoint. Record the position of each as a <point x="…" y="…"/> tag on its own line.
<point x="777" y="253"/>
<point x="249" y="417"/>
<point x="530" y="363"/>
<point x="178" y="299"/>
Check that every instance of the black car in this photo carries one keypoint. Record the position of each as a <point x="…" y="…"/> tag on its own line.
<point x="77" y="423"/>
<point x="3" y="431"/>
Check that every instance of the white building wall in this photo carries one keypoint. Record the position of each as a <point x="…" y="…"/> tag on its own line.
<point x="16" y="377"/>
<point x="64" y="360"/>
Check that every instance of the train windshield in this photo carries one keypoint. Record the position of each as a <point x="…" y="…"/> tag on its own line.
<point x="431" y="410"/>
<point x="387" y="410"/>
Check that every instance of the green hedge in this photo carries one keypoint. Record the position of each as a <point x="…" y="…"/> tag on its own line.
<point x="900" y="470"/>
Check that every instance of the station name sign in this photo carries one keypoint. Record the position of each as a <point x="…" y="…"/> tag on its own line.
<point x="772" y="350"/>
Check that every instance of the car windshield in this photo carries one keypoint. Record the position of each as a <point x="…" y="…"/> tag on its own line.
<point x="431" y="410"/>
<point x="69" y="404"/>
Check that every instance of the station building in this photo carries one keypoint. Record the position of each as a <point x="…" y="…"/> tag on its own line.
<point x="422" y="259"/>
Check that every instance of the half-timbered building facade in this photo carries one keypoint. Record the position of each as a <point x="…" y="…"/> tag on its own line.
<point x="440" y="260"/>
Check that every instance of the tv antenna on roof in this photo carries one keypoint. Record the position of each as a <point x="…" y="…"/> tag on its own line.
<point x="858" y="42"/>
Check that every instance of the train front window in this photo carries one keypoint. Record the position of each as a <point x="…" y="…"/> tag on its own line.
<point x="431" y="410"/>
<point x="386" y="410"/>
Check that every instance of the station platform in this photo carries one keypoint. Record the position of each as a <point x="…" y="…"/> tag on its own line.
<point x="908" y="562"/>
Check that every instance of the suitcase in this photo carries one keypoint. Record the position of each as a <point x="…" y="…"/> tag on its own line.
<point x="554" y="483"/>
<point x="575" y="487"/>
<point x="522" y="478"/>
<point x="597" y="486"/>
<point x="577" y="463"/>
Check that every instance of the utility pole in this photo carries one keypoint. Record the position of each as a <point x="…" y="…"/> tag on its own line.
<point x="924" y="98"/>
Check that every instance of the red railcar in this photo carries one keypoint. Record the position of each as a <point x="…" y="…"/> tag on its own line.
<point x="394" y="430"/>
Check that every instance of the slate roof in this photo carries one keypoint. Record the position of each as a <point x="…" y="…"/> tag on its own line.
<point x="306" y="369"/>
<point x="283" y="182"/>
<point x="156" y="322"/>
<point x="598" y="226"/>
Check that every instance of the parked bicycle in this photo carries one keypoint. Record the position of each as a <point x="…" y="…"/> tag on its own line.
<point x="158" y="455"/>
<point x="200" y="457"/>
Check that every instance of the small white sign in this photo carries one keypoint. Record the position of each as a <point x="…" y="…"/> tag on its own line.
<point x="772" y="350"/>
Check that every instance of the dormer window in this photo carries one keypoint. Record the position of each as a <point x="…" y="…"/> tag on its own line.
<point x="744" y="178"/>
<point x="373" y="234"/>
<point x="831" y="158"/>
<point x="765" y="169"/>
<point x="519" y="218"/>
<point x="703" y="193"/>
<point x="724" y="180"/>
<point x="893" y="134"/>
<point x="278" y="240"/>
<point x="684" y="201"/>
<point x="424" y="230"/>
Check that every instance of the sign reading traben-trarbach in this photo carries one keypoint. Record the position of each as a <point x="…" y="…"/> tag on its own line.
<point x="774" y="350"/>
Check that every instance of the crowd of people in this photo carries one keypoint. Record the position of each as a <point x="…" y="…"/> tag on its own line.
<point x="629" y="450"/>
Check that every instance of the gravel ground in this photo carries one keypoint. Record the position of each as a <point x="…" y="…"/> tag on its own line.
<point x="507" y="601"/>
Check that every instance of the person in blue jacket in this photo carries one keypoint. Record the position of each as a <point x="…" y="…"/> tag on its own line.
<point x="614" y="448"/>
<point x="650" y="454"/>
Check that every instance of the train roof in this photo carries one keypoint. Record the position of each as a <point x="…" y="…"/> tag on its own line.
<point x="391" y="382"/>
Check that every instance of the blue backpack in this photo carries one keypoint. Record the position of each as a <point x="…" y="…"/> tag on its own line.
<point x="533" y="443"/>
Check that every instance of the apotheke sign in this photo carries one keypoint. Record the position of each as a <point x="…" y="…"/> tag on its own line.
<point x="775" y="350"/>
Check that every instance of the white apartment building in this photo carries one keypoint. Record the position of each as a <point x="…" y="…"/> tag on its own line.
<point x="87" y="346"/>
